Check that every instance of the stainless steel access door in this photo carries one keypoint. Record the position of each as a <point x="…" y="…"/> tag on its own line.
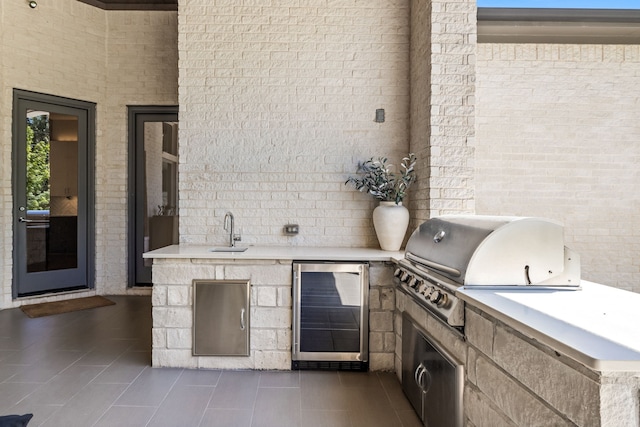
<point x="221" y="317"/>
<point x="431" y="378"/>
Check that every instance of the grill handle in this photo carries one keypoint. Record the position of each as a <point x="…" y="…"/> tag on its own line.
<point x="527" y="279"/>
<point x="434" y="265"/>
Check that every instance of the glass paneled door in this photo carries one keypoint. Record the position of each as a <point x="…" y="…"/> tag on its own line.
<point x="153" y="186"/>
<point x="51" y="187"/>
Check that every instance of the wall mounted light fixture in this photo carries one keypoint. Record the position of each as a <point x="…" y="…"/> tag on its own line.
<point x="33" y="4"/>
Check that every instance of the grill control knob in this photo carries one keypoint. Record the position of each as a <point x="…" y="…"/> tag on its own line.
<point x="427" y="291"/>
<point x="438" y="298"/>
<point x="397" y="273"/>
<point x="423" y="288"/>
<point x="412" y="282"/>
<point x="444" y="301"/>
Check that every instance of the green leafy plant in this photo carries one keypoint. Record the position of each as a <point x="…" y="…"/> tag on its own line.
<point x="377" y="178"/>
<point x="38" y="172"/>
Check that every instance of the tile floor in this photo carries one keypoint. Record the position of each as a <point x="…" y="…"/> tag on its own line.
<point x="92" y="368"/>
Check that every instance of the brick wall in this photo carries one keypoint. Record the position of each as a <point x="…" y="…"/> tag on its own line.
<point x="57" y="48"/>
<point x="142" y="70"/>
<point x="6" y="206"/>
<point x="420" y="117"/>
<point x="277" y="105"/>
<point x="70" y="49"/>
<point x="557" y="130"/>
<point x="443" y="44"/>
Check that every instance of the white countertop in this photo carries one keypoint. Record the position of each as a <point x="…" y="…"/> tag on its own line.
<point x="598" y="325"/>
<point x="275" y="252"/>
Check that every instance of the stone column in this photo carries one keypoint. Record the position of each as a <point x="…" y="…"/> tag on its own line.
<point x="443" y="50"/>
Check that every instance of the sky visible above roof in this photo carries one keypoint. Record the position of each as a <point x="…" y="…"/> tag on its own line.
<point x="563" y="4"/>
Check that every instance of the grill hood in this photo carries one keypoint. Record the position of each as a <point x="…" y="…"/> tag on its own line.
<point x="475" y="250"/>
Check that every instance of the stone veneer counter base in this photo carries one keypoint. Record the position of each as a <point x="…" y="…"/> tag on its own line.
<point x="552" y="357"/>
<point x="596" y="325"/>
<point x="269" y="271"/>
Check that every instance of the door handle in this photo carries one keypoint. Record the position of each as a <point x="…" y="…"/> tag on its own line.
<point x="418" y="373"/>
<point x="422" y="377"/>
<point x="242" y="325"/>
<point x="21" y="219"/>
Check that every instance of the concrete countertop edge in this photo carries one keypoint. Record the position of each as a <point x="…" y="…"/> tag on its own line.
<point x="303" y="253"/>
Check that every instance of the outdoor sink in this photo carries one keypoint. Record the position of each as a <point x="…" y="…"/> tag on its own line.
<point x="227" y="249"/>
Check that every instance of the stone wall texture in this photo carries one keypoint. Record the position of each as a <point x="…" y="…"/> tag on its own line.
<point x="513" y="375"/>
<point x="270" y="316"/>
<point x="270" y="313"/>
<point x="515" y="381"/>
<point x="557" y="137"/>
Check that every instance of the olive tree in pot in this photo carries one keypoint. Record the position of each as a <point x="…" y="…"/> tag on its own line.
<point x="390" y="218"/>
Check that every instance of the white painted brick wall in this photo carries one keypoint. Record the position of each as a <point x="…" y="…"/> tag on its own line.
<point x="142" y="70"/>
<point x="557" y="130"/>
<point x="57" y="48"/>
<point x="112" y="58"/>
<point x="443" y="36"/>
<point x="277" y="104"/>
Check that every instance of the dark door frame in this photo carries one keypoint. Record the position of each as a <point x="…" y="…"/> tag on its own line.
<point x="87" y="187"/>
<point x="138" y="114"/>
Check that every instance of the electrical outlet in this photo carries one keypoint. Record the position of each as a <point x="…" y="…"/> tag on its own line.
<point x="291" y="229"/>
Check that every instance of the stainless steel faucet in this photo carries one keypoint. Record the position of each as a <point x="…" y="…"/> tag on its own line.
<point x="228" y="226"/>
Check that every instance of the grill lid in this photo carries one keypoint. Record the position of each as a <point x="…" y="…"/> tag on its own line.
<point x="495" y="251"/>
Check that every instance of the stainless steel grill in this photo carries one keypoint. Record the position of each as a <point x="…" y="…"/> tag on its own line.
<point x="448" y="252"/>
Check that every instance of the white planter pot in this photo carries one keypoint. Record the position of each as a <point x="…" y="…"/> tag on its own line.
<point x="390" y="222"/>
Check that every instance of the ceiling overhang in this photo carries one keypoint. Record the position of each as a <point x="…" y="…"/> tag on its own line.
<point x="133" y="4"/>
<point x="500" y="25"/>
<point x="583" y="26"/>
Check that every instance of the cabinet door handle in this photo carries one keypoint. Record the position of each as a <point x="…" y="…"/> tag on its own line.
<point x="417" y="374"/>
<point x="422" y="377"/>
<point x="242" y="325"/>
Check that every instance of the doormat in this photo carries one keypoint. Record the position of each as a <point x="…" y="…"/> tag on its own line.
<point x="67" y="306"/>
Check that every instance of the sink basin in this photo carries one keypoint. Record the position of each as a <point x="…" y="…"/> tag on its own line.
<point x="227" y="249"/>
